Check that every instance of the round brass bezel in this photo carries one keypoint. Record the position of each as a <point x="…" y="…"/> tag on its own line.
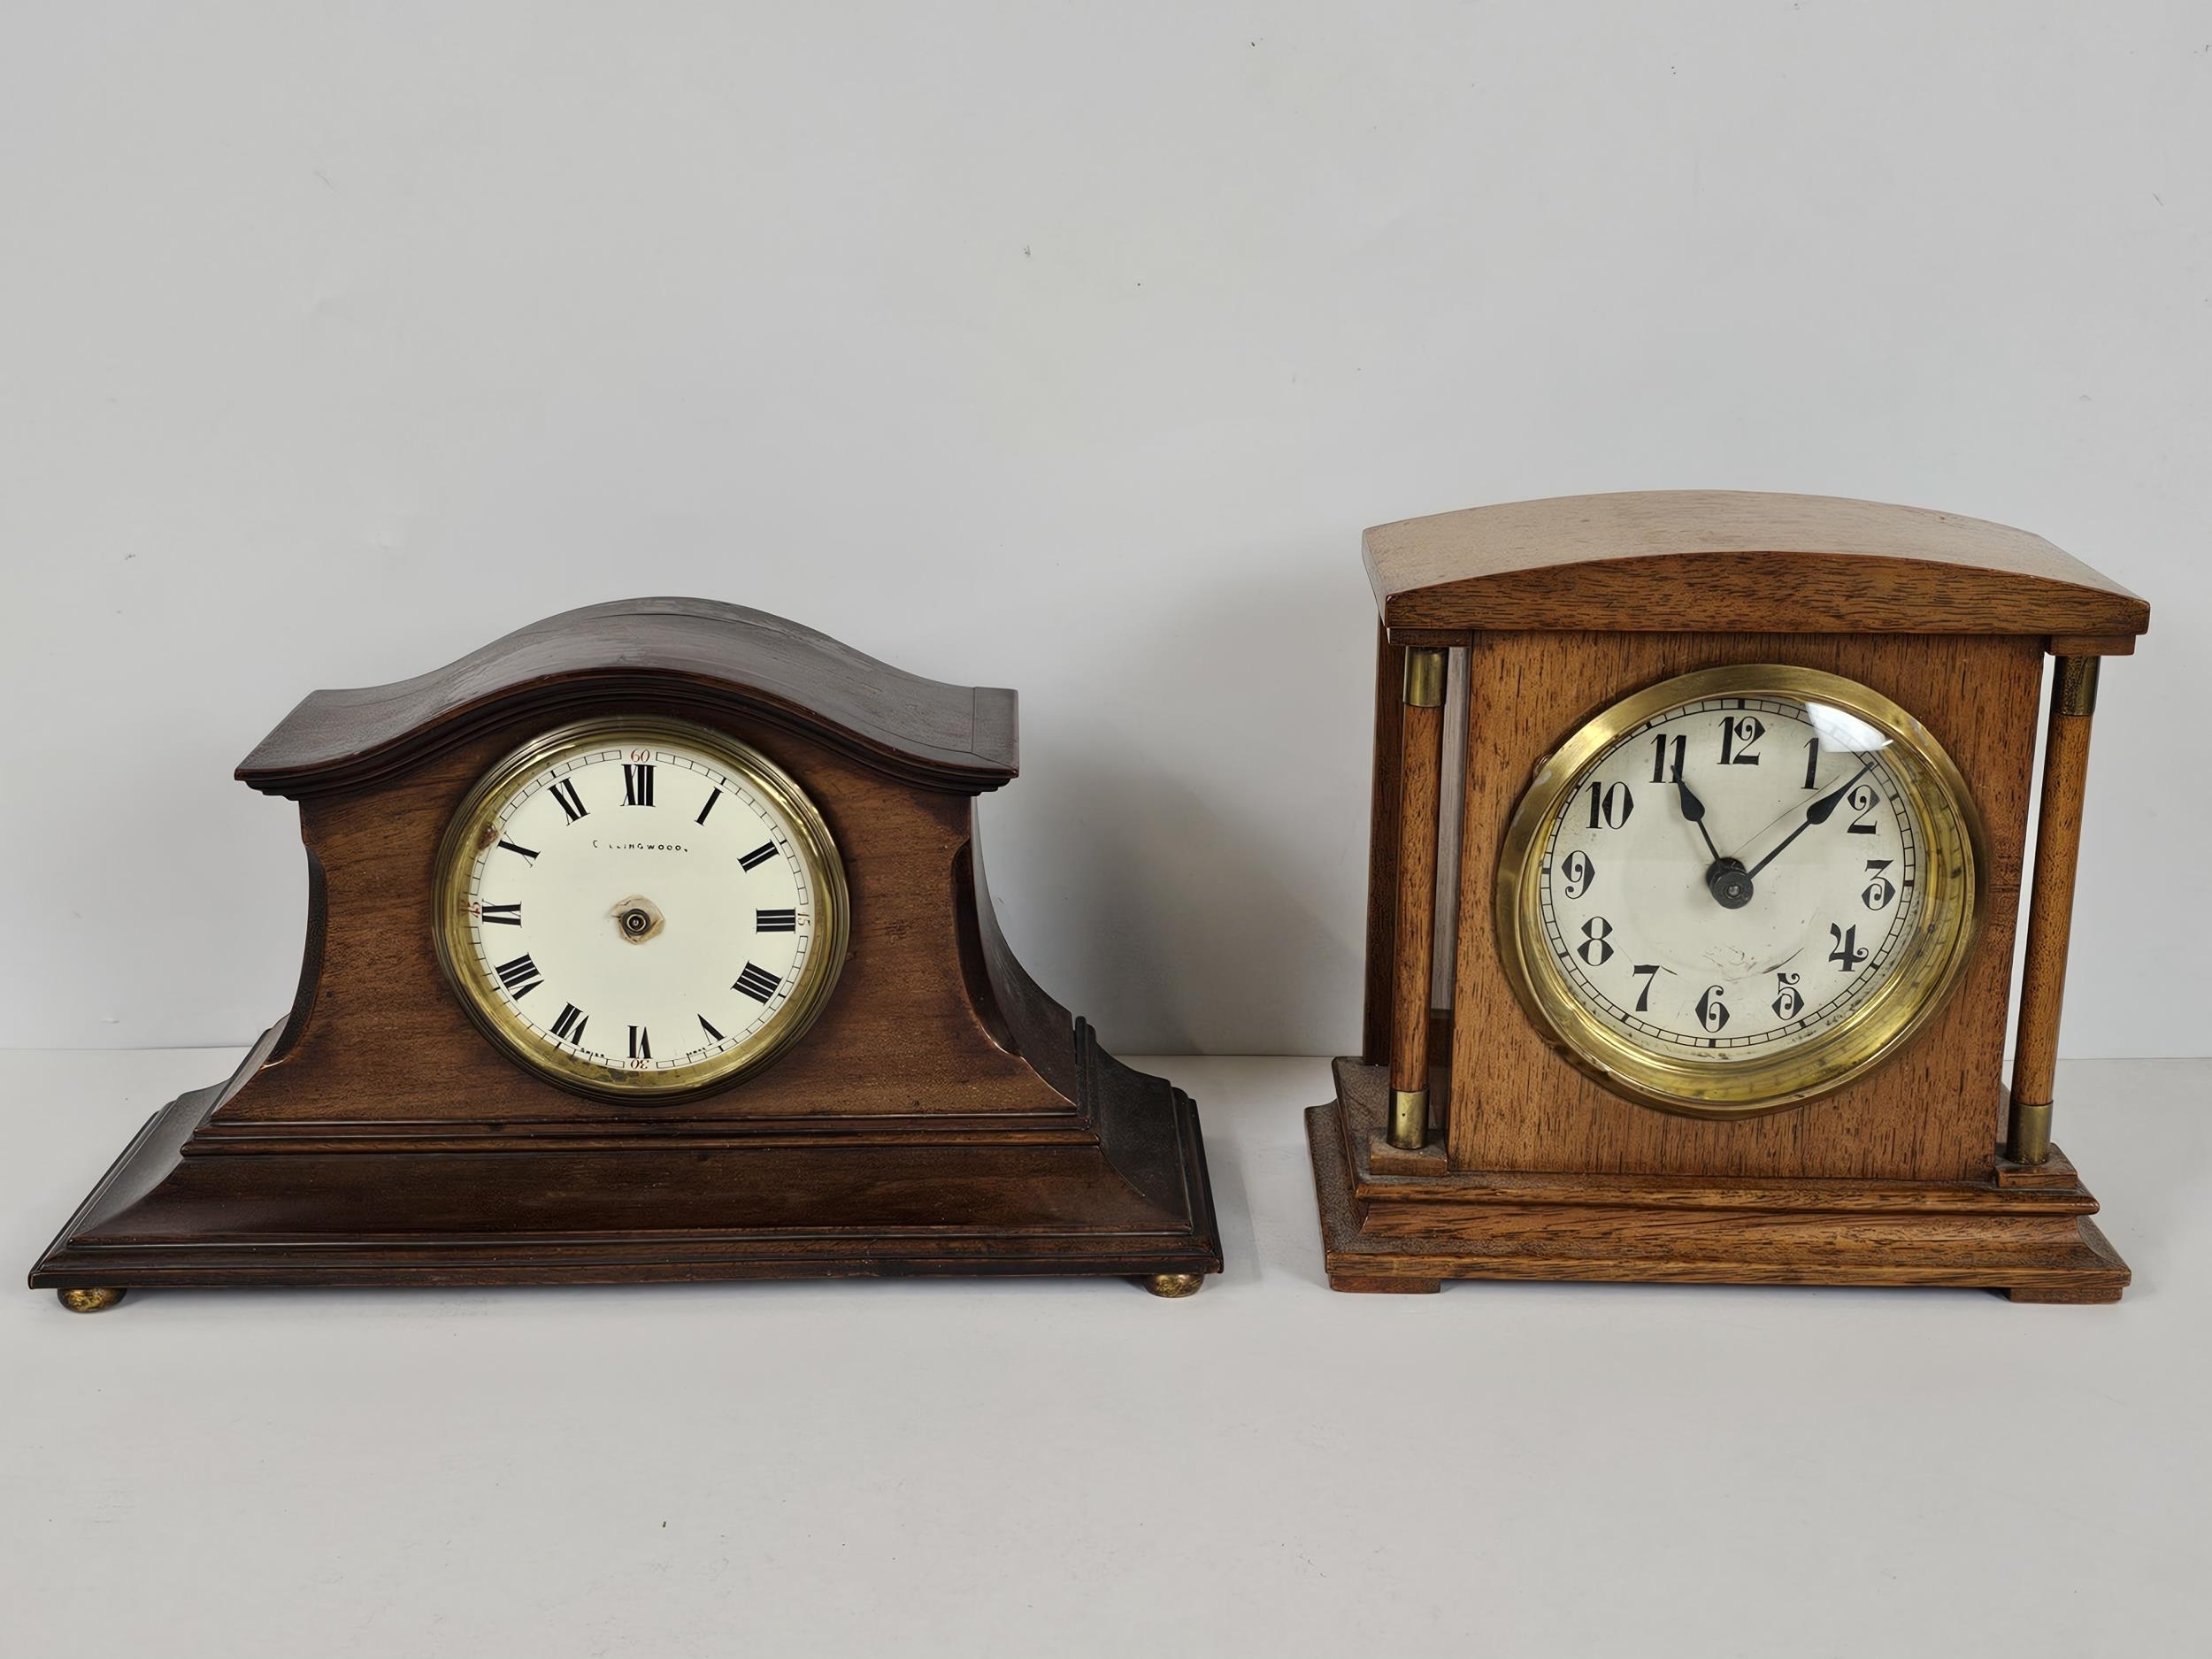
<point x="1956" y="861"/>
<point x="818" y="850"/>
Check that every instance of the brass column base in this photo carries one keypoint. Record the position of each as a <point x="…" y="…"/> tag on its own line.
<point x="2030" y="1141"/>
<point x="96" y="1300"/>
<point x="1409" y="1118"/>
<point x="1173" y="1286"/>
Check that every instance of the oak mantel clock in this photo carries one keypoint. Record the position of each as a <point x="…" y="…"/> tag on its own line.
<point x="1741" y="787"/>
<point x="650" y="942"/>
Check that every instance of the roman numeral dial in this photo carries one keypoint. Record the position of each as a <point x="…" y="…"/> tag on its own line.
<point x="757" y="982"/>
<point x="595" y="886"/>
<point x="517" y="978"/>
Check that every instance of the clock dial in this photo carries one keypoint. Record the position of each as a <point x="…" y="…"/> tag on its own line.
<point x="1738" y="889"/>
<point x="640" y="910"/>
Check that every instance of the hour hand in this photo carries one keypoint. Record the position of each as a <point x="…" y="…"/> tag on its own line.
<point x="1693" y="812"/>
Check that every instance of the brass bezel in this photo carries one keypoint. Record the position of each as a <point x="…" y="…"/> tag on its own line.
<point x="817" y="849"/>
<point x="1956" y="859"/>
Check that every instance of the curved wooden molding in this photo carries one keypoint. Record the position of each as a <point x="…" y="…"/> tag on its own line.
<point x="719" y="659"/>
<point x="1669" y="561"/>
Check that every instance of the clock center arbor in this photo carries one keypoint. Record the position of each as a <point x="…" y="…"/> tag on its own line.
<point x="1696" y="857"/>
<point x="651" y="942"/>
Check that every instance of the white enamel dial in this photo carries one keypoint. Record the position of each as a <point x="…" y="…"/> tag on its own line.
<point x="1748" y="884"/>
<point x="641" y="908"/>
<point x="1767" y="958"/>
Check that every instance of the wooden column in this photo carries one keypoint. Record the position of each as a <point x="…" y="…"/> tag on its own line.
<point x="2051" y="909"/>
<point x="1378" y="1014"/>
<point x="1421" y="772"/>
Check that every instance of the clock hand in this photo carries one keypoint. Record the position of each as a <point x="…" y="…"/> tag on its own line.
<point x="1816" y="813"/>
<point x="1725" y="877"/>
<point x="1693" y="812"/>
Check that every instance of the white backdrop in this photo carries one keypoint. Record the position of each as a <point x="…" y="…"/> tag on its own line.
<point x="1063" y="348"/>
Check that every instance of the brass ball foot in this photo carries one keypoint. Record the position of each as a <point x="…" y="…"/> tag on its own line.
<point x="97" y="1301"/>
<point x="1175" y="1285"/>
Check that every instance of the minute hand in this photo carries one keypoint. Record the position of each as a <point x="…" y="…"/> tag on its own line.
<point x="1816" y="813"/>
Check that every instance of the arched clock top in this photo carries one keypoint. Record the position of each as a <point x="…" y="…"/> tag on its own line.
<point x="696" y="655"/>
<point x="1666" y="561"/>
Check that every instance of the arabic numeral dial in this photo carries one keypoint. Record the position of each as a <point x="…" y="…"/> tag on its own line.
<point x="1742" y="882"/>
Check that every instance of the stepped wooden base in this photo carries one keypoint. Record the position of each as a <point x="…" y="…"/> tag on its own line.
<point x="1404" y="1222"/>
<point x="1035" y="1197"/>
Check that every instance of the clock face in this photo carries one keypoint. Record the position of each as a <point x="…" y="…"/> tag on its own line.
<point x="1739" y="889"/>
<point x="640" y="909"/>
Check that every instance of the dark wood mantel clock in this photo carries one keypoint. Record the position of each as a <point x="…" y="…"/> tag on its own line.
<point x="1729" y="919"/>
<point x="649" y="943"/>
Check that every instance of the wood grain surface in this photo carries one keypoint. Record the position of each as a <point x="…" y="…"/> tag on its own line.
<point x="1407" y="1233"/>
<point x="700" y="656"/>
<point x="1421" y="780"/>
<point x="2051" y="906"/>
<point x="1657" y="561"/>
<point x="1929" y="1114"/>
<point x="384" y="1048"/>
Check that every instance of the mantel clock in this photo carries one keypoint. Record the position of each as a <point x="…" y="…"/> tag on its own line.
<point x="651" y="942"/>
<point x="1741" y="785"/>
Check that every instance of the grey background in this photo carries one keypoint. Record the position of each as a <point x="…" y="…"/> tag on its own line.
<point x="1068" y="349"/>
<point x="986" y="1468"/>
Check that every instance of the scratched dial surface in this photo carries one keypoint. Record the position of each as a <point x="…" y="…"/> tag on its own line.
<point x="1736" y="877"/>
<point x="640" y="911"/>
<point x="1635" y="926"/>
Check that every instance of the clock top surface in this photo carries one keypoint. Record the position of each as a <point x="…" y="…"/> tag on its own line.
<point x="701" y="656"/>
<point x="1673" y="560"/>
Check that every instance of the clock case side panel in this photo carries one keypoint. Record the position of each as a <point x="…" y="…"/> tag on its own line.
<point x="1932" y="1113"/>
<point x="1147" y="1128"/>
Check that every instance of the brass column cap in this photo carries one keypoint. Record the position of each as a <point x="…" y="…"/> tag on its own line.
<point x="1426" y="670"/>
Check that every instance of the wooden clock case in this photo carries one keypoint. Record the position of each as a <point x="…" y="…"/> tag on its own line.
<point x="944" y="1116"/>
<point x="1525" y="1167"/>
